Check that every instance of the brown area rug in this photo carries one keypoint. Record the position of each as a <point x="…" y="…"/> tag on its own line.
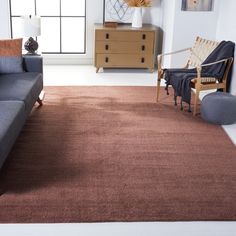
<point x="95" y="154"/>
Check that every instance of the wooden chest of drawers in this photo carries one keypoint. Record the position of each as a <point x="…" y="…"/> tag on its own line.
<point x="125" y="47"/>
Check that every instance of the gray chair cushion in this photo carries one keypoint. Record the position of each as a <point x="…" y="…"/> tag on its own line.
<point x="219" y="108"/>
<point x="24" y="87"/>
<point x="12" y="118"/>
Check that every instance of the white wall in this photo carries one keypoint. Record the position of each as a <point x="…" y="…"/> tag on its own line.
<point x="187" y="25"/>
<point x="168" y="23"/>
<point x="226" y="29"/>
<point x="4" y="22"/>
<point x="153" y="15"/>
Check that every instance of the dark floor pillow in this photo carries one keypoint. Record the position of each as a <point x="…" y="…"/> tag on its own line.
<point x="11" y="56"/>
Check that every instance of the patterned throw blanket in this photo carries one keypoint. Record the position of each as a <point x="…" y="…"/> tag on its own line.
<point x="180" y="79"/>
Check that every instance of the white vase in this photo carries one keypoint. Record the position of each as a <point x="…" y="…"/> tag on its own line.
<point x="137" y="20"/>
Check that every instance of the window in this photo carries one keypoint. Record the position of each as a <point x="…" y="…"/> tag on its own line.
<point x="63" y="24"/>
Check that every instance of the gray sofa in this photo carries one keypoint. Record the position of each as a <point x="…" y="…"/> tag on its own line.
<point x="18" y="94"/>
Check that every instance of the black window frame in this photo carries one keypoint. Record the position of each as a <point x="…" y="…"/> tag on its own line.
<point x="60" y="17"/>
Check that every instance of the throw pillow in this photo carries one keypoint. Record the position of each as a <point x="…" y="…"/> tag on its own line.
<point x="11" y="56"/>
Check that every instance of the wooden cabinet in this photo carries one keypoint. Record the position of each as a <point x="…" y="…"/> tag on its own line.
<point x="125" y="47"/>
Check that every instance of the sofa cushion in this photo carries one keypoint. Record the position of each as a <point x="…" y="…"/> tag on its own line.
<point x="11" y="56"/>
<point x="12" y="118"/>
<point x="24" y="87"/>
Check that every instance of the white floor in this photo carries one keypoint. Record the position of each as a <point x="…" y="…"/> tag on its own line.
<point x="85" y="75"/>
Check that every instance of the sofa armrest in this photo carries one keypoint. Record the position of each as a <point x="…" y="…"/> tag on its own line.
<point x="33" y="63"/>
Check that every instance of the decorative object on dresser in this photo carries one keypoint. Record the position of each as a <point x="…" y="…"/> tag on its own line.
<point x="110" y="24"/>
<point x="31" y="27"/>
<point x="117" y="11"/>
<point x="125" y="47"/>
<point x="137" y="20"/>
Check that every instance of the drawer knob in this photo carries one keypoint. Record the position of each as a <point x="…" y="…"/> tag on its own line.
<point x="143" y="48"/>
<point x="144" y="36"/>
<point x="106" y="47"/>
<point x="106" y="59"/>
<point x="142" y="59"/>
<point x="107" y="36"/>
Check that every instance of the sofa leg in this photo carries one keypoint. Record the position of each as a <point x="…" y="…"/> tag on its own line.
<point x="39" y="101"/>
<point x="40" y="98"/>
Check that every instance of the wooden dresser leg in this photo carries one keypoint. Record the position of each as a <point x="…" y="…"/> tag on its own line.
<point x="151" y="70"/>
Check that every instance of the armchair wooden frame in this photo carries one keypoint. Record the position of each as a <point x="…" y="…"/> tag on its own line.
<point x="198" y="53"/>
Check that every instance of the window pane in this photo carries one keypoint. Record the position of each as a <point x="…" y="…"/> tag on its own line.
<point x="73" y="34"/>
<point x="48" y="7"/>
<point x="73" y="7"/>
<point x="16" y="30"/>
<point x="22" y="7"/>
<point x="16" y="27"/>
<point x="49" y="41"/>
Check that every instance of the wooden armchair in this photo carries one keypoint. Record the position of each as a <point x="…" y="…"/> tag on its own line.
<point x="198" y="53"/>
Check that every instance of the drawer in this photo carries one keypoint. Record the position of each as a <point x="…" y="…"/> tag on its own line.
<point x="123" y="47"/>
<point x="126" y="36"/>
<point x="124" y="60"/>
